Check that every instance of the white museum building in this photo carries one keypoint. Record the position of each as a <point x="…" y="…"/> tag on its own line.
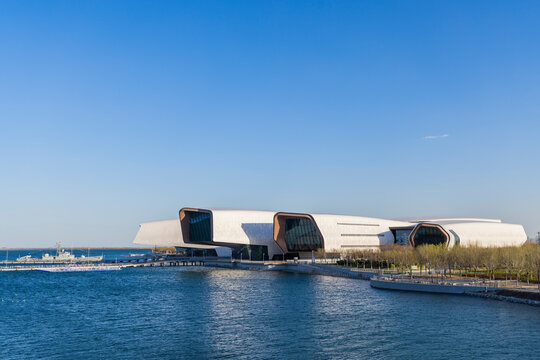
<point x="265" y="235"/>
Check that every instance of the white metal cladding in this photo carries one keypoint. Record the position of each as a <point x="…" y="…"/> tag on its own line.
<point x="479" y="231"/>
<point x="340" y="232"/>
<point x="355" y="232"/>
<point x="166" y="233"/>
<point x="350" y="232"/>
<point x="244" y="227"/>
<point x="486" y="234"/>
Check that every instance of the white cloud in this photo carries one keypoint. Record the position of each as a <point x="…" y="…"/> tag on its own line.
<point x="433" y="137"/>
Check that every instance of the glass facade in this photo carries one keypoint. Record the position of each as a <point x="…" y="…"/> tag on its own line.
<point x="251" y="252"/>
<point x="200" y="252"/>
<point x="428" y="235"/>
<point x="199" y="227"/>
<point x="302" y="235"/>
<point x="456" y="237"/>
<point x="402" y="236"/>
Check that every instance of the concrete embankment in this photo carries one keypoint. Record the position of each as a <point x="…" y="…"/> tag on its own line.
<point x="327" y="270"/>
<point x="528" y="297"/>
<point x="423" y="286"/>
<point x="513" y="296"/>
<point x="291" y="267"/>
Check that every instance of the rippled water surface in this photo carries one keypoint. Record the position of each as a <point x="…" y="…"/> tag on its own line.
<point x="196" y="313"/>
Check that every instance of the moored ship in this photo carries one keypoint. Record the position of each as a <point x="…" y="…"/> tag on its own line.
<point x="62" y="256"/>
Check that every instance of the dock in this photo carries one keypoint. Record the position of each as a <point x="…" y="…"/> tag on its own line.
<point x="144" y="261"/>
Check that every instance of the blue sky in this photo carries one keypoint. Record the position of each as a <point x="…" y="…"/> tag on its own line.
<point x="117" y="112"/>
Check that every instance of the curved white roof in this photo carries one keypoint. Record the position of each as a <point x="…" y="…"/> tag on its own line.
<point x="478" y="231"/>
<point x="448" y="220"/>
<point x="345" y="231"/>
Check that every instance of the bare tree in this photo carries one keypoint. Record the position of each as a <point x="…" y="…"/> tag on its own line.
<point x="423" y="256"/>
<point x="530" y="259"/>
<point x="505" y="259"/>
<point x="518" y="262"/>
<point x="490" y="260"/>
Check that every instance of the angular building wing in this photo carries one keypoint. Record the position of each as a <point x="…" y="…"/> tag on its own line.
<point x="247" y="232"/>
<point x="296" y="232"/>
<point x="468" y="231"/>
<point x="300" y="234"/>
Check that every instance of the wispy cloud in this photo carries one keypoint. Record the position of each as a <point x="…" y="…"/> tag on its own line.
<point x="433" y="137"/>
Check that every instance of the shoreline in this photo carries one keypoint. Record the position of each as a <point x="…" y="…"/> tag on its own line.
<point x="376" y="278"/>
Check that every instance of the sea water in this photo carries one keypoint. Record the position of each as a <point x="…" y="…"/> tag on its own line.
<point x="206" y="313"/>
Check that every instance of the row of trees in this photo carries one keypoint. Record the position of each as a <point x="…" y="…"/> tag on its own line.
<point x="522" y="261"/>
<point x="164" y="250"/>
